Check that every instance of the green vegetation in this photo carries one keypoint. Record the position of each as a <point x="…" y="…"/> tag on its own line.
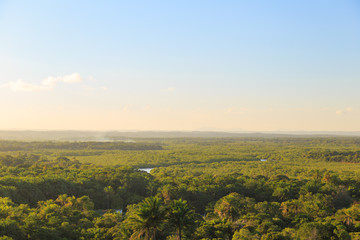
<point x="200" y="188"/>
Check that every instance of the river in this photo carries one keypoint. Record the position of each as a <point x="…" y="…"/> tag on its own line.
<point x="146" y="169"/>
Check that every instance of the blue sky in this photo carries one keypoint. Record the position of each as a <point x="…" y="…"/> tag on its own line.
<point x="180" y="65"/>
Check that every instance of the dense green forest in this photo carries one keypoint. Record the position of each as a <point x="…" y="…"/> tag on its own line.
<point x="199" y="188"/>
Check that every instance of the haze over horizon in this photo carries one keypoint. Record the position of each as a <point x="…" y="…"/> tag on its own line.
<point x="151" y="65"/>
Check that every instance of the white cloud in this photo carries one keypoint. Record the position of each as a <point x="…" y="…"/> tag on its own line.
<point x="47" y="84"/>
<point x="73" y="78"/>
<point x="342" y="111"/>
<point x="20" y="85"/>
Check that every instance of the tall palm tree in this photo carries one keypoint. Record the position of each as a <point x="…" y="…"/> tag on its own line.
<point x="181" y="216"/>
<point x="146" y="218"/>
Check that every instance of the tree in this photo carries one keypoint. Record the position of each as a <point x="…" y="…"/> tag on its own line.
<point x="233" y="206"/>
<point x="182" y="217"/>
<point x="145" y="218"/>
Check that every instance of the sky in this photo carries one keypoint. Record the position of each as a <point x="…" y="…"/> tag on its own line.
<point x="180" y="65"/>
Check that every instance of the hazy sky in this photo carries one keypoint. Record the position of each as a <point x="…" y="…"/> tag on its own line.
<point x="180" y="65"/>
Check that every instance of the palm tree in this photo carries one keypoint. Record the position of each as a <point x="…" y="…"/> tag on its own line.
<point x="146" y="218"/>
<point x="181" y="216"/>
<point x="230" y="206"/>
<point x="346" y="216"/>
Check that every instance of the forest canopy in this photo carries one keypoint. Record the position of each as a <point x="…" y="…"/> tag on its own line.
<point x="198" y="188"/>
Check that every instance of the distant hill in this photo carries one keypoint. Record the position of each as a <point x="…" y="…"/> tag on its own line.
<point x="127" y="136"/>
